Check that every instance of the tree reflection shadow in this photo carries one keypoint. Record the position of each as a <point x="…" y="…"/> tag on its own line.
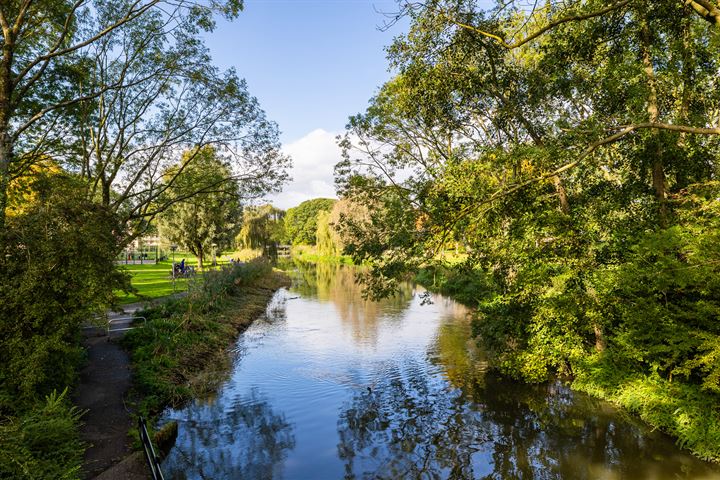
<point x="239" y="438"/>
<point x="416" y="427"/>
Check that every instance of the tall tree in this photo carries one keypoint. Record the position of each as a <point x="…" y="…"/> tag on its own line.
<point x="211" y="219"/>
<point x="46" y="53"/>
<point x="262" y="227"/>
<point x="301" y="221"/>
<point x="560" y="145"/>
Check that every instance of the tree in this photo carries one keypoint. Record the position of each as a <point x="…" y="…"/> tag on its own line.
<point x="60" y="248"/>
<point x="47" y="49"/>
<point x="174" y="98"/>
<point x="301" y="221"/>
<point x="201" y="222"/>
<point x="262" y="226"/>
<point x="552" y="160"/>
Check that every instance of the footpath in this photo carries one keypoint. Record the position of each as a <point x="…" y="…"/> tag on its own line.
<point x="104" y="384"/>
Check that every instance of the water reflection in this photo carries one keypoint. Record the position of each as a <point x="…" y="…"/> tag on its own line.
<point x="329" y="385"/>
<point x="336" y="284"/>
<point x="242" y="437"/>
<point x="472" y="424"/>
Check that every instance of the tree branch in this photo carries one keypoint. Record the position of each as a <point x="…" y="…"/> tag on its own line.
<point x="549" y="26"/>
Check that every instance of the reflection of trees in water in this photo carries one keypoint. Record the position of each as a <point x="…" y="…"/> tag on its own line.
<point x="243" y="438"/>
<point x="408" y="427"/>
<point x="336" y="284"/>
<point x="456" y="353"/>
<point x="411" y="426"/>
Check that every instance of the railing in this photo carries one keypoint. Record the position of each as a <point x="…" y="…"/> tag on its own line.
<point x="152" y="459"/>
<point x="110" y="330"/>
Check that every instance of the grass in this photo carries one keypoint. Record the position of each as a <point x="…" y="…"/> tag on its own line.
<point x="155" y="280"/>
<point x="680" y="409"/>
<point x="182" y="353"/>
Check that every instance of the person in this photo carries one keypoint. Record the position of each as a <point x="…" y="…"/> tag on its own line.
<point x="182" y="266"/>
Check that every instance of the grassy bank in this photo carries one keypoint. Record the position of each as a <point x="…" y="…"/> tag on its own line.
<point x="682" y="410"/>
<point x="309" y="254"/>
<point x="182" y="353"/>
<point x="677" y="406"/>
<point x="154" y="280"/>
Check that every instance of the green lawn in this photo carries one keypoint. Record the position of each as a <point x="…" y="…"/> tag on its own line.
<point x="155" y="280"/>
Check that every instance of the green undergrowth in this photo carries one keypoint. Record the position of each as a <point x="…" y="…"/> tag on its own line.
<point x="42" y="442"/>
<point x="680" y="409"/>
<point x="679" y="406"/>
<point x="182" y="352"/>
<point x="463" y="285"/>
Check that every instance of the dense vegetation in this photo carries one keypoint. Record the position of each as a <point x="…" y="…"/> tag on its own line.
<point x="111" y="113"/>
<point x="567" y="154"/>
<point x="205" y="221"/>
<point x="301" y="221"/>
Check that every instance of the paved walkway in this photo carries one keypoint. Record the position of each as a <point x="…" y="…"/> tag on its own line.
<point x="104" y="382"/>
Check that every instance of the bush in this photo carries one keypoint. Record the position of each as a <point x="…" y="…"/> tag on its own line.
<point x="42" y="443"/>
<point x="56" y="268"/>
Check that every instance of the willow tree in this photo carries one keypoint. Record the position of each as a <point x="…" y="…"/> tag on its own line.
<point x="262" y="226"/>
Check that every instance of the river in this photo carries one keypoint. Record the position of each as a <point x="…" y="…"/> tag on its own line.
<point x="330" y="386"/>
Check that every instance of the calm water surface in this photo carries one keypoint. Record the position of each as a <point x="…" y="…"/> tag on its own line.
<point x="329" y="386"/>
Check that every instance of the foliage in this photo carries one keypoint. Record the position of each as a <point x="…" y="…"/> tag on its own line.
<point x="61" y="250"/>
<point x="201" y="222"/>
<point x="301" y="221"/>
<point x="131" y="73"/>
<point x="327" y="239"/>
<point x="310" y="254"/>
<point x="261" y="227"/>
<point x="677" y="408"/>
<point x="42" y="443"/>
<point x="565" y="149"/>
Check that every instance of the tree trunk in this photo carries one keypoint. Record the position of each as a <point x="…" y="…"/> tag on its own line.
<point x="5" y="156"/>
<point x="562" y="194"/>
<point x="600" y="343"/>
<point x="6" y="147"/>
<point x="658" y="173"/>
<point x="200" y="256"/>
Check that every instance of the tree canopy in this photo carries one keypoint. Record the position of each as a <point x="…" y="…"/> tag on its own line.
<point x="201" y="222"/>
<point x="113" y="90"/>
<point x="566" y="157"/>
<point x="262" y="226"/>
<point x="301" y="221"/>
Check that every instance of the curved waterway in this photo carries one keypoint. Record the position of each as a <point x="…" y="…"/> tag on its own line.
<point x="329" y="386"/>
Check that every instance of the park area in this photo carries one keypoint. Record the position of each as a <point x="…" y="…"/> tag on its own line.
<point x="154" y="280"/>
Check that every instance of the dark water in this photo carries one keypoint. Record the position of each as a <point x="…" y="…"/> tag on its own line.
<point x="329" y="386"/>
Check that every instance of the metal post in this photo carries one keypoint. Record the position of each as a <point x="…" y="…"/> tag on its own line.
<point x="173" y="248"/>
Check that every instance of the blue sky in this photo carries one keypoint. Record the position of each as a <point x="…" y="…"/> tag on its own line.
<point x="311" y="64"/>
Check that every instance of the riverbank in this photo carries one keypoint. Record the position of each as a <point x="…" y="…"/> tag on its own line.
<point x="182" y="353"/>
<point x="678" y="407"/>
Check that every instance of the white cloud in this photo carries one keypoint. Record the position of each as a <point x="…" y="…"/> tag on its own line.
<point x="314" y="157"/>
